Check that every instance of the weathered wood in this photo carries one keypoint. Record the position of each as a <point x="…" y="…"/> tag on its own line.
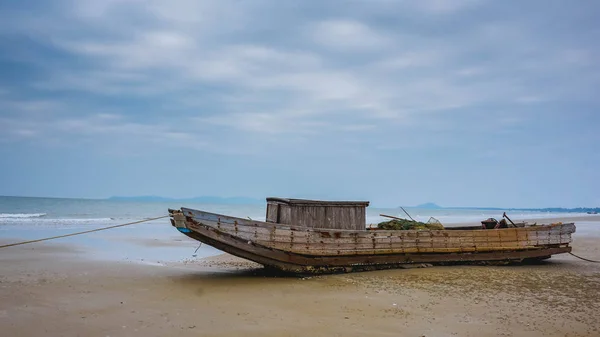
<point x="295" y="248"/>
<point x="480" y="236"/>
<point x="400" y="241"/>
<point x="298" y="263"/>
<point x="272" y="212"/>
<point x="371" y="250"/>
<point x="227" y="220"/>
<point x="317" y="214"/>
<point x="307" y="202"/>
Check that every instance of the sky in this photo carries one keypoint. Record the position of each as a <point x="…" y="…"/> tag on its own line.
<point x="461" y="103"/>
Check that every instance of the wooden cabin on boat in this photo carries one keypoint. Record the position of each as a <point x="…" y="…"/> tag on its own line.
<point x="317" y="214"/>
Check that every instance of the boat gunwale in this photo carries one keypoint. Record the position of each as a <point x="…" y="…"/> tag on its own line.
<point x="190" y="212"/>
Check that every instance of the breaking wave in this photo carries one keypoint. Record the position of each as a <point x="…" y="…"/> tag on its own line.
<point x="21" y="215"/>
<point x="65" y="220"/>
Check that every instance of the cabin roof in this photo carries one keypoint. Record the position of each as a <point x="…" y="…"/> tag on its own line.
<point x="298" y="202"/>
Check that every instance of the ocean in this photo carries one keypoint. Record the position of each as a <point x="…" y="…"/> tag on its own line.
<point x="25" y="218"/>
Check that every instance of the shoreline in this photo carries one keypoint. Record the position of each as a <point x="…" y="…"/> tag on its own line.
<point x="225" y="296"/>
<point x="65" y="292"/>
<point x="172" y="247"/>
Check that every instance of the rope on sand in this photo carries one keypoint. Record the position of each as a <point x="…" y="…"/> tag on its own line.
<point x="79" y="233"/>
<point x="584" y="259"/>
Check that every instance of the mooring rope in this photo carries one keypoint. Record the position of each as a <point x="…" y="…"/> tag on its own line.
<point x="146" y="220"/>
<point x="79" y="233"/>
<point x="584" y="259"/>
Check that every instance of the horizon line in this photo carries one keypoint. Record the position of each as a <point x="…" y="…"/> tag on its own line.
<point x="257" y="199"/>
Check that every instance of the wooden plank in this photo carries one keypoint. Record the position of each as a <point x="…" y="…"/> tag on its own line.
<point x="307" y="202"/>
<point x="422" y="242"/>
<point x="396" y="245"/>
<point x="316" y="251"/>
<point x="285" y="215"/>
<point x="300" y="263"/>
<point x="433" y="233"/>
<point x="401" y="234"/>
<point x="286" y="236"/>
<point x="379" y="241"/>
<point x="272" y="212"/>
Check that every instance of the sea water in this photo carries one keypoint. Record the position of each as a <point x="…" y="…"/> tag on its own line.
<point x="23" y="218"/>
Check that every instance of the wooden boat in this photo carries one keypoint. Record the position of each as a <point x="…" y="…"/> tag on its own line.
<point x="308" y="236"/>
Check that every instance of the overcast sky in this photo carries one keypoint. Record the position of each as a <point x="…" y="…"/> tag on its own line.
<point x="462" y="103"/>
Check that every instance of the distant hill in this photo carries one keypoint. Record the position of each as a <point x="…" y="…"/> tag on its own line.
<point x="200" y="200"/>
<point x="228" y="200"/>
<point x="544" y="210"/>
<point x="139" y="198"/>
<point x="590" y="210"/>
<point x="429" y="205"/>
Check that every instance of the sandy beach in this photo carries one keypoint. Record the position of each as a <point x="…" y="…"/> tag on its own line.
<point x="50" y="289"/>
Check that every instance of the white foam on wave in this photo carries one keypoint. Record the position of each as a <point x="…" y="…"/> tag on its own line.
<point x="21" y="215"/>
<point x="54" y="221"/>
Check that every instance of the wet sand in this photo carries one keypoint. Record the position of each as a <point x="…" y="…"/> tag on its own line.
<point x="54" y="290"/>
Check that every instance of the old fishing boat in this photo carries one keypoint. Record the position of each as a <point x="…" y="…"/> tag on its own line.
<point x="308" y="236"/>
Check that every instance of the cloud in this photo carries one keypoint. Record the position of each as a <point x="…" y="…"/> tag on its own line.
<point x="443" y="6"/>
<point x="348" y="35"/>
<point x="270" y="68"/>
<point x="440" y="93"/>
<point x="39" y="121"/>
<point x="410" y="60"/>
<point x="264" y="123"/>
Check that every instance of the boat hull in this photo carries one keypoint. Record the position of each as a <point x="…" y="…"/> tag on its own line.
<point x="310" y="251"/>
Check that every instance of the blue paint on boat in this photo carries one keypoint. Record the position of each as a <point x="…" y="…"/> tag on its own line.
<point x="183" y="230"/>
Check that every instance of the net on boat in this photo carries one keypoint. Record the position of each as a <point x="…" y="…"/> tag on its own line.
<point x="435" y="222"/>
<point x="405" y="224"/>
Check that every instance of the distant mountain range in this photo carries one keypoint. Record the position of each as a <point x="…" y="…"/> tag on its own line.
<point x="253" y="201"/>
<point x="431" y="205"/>
<point x="201" y="200"/>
